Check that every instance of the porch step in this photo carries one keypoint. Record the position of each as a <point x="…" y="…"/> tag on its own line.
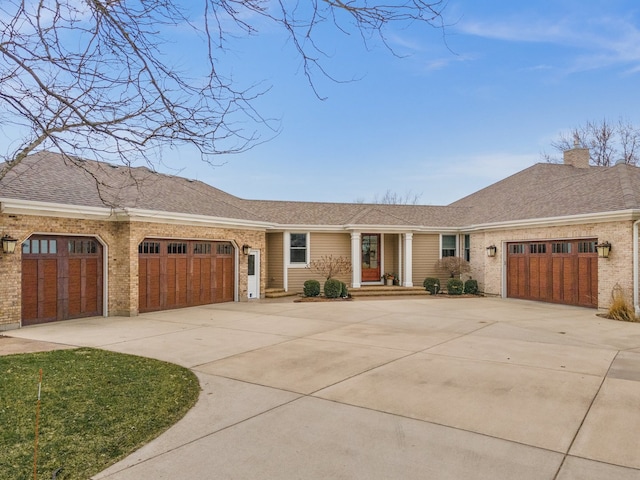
<point x="385" y="291"/>
<point x="278" y="293"/>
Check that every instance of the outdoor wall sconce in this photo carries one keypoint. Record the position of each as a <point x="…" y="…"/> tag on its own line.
<point x="245" y="249"/>
<point x="491" y="251"/>
<point x="604" y="249"/>
<point x="9" y="244"/>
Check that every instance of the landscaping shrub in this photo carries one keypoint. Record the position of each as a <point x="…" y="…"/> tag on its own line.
<point x="430" y="284"/>
<point x="455" y="286"/>
<point x="471" y="286"/>
<point x="344" y="293"/>
<point x="332" y="288"/>
<point x="311" y="288"/>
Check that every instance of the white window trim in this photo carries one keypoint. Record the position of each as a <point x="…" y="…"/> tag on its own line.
<point x="287" y="243"/>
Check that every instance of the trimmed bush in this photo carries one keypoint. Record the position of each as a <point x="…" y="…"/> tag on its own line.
<point x="332" y="288"/>
<point x="430" y="284"/>
<point x="311" y="288"/>
<point x="455" y="286"/>
<point x="344" y="293"/>
<point x="471" y="286"/>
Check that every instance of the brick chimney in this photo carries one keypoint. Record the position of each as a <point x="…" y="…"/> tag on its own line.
<point x="577" y="156"/>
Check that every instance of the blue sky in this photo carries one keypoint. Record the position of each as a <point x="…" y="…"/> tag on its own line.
<point x="445" y="119"/>
<point x="449" y="115"/>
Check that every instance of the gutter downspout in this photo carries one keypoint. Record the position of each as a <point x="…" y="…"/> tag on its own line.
<point x="636" y="279"/>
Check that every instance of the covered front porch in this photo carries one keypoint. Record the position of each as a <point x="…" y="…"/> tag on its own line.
<point x="381" y="258"/>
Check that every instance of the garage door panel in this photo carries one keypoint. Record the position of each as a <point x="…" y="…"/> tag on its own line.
<point x="29" y="289"/>
<point x="61" y="278"/>
<point x="555" y="271"/>
<point x="188" y="273"/>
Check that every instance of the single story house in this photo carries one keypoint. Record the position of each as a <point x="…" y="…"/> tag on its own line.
<point x="100" y="239"/>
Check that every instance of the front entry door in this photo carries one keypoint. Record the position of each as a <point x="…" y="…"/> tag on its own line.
<point x="371" y="257"/>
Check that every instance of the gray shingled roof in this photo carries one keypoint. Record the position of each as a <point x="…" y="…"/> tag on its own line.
<point x="540" y="191"/>
<point x="50" y="177"/>
<point x="548" y="190"/>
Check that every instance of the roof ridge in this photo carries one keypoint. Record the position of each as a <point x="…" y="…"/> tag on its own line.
<point x="628" y="193"/>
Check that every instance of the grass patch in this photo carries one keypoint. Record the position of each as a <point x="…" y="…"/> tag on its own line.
<point x="96" y="407"/>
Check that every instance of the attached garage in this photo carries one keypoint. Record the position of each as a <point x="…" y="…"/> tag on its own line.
<point x="557" y="271"/>
<point x="62" y="278"/>
<point x="184" y="273"/>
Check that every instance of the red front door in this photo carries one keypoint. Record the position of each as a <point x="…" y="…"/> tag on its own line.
<point x="371" y="257"/>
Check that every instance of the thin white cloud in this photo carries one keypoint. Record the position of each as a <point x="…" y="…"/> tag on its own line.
<point x="602" y="41"/>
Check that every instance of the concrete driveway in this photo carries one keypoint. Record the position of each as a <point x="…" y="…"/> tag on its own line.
<point x="405" y="389"/>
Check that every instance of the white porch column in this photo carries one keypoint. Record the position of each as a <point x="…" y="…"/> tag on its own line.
<point x="356" y="257"/>
<point x="408" y="260"/>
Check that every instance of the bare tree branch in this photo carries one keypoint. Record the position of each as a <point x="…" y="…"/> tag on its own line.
<point x="95" y="77"/>
<point x="608" y="143"/>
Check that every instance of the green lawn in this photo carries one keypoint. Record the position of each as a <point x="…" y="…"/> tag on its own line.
<point x="96" y="407"/>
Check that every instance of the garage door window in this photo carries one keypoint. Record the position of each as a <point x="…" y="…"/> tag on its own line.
<point x="40" y="247"/>
<point x="538" y="248"/>
<point x="516" y="249"/>
<point x="80" y="247"/>
<point x="177" y="248"/>
<point x="563" y="247"/>
<point x="149" y="248"/>
<point x="587" y="247"/>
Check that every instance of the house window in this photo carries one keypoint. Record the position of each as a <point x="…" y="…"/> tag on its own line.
<point x="448" y="246"/>
<point x="298" y="248"/>
<point x="467" y="248"/>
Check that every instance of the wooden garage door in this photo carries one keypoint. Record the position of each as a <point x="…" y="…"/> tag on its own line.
<point x="61" y="278"/>
<point x="183" y="273"/>
<point x="559" y="271"/>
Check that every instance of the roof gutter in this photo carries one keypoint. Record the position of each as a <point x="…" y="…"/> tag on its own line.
<point x="619" y="215"/>
<point x="31" y="207"/>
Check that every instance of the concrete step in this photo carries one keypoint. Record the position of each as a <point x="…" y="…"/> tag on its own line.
<point x="384" y="291"/>
<point x="278" y="293"/>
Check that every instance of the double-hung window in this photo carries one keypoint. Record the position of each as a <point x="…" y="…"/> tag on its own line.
<point x="449" y="245"/>
<point x="298" y="248"/>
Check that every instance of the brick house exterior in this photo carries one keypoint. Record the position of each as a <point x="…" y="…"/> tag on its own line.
<point x="120" y="207"/>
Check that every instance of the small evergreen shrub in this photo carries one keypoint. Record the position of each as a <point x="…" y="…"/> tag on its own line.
<point x="332" y="288"/>
<point x="344" y="293"/>
<point x="455" y="286"/>
<point x="430" y="284"/>
<point x="311" y="288"/>
<point x="471" y="286"/>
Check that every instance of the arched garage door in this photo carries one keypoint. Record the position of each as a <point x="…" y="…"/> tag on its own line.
<point x="558" y="271"/>
<point x="61" y="278"/>
<point x="184" y="273"/>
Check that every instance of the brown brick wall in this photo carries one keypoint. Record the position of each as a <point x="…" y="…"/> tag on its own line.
<point x="121" y="240"/>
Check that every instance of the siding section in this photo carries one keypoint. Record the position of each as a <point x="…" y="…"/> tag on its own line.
<point x="275" y="260"/>
<point x="391" y="263"/>
<point x="336" y="244"/>
<point x="425" y="255"/>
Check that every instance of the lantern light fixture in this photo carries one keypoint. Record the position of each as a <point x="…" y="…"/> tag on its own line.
<point x="245" y="249"/>
<point x="9" y="244"/>
<point x="604" y="249"/>
<point x="491" y="251"/>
